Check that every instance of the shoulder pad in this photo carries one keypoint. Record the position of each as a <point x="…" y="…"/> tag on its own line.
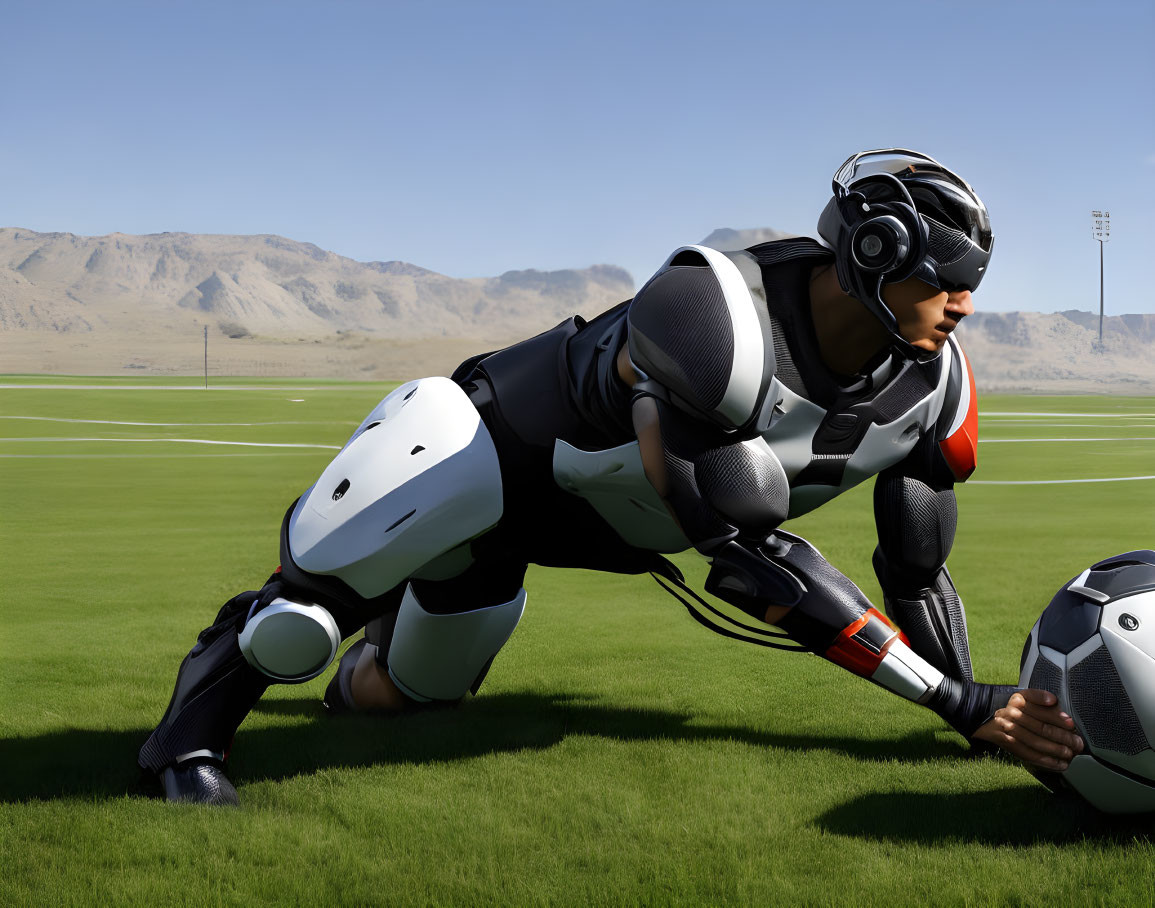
<point x="958" y="442"/>
<point x="697" y="330"/>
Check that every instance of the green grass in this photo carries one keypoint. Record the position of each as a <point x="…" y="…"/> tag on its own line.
<point x="618" y="751"/>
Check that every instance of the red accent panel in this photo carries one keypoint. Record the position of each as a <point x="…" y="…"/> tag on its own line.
<point x="961" y="450"/>
<point x="852" y="655"/>
<point x="278" y="570"/>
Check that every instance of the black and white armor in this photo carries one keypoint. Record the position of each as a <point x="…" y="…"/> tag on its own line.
<point x="450" y="487"/>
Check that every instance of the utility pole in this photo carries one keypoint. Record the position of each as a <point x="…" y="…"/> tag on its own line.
<point x="207" y="354"/>
<point x="1101" y="231"/>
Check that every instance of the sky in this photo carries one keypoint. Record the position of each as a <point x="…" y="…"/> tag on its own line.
<point x="474" y="138"/>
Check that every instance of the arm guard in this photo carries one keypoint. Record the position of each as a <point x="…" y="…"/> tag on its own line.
<point x="716" y="484"/>
<point x="831" y="617"/>
<point x="916" y="518"/>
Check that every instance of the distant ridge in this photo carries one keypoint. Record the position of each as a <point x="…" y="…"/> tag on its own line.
<point x="276" y="306"/>
<point x="271" y="286"/>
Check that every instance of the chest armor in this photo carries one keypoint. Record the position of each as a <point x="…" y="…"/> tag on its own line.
<point x="822" y="451"/>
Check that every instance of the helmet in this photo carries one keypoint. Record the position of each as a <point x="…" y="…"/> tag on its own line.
<point x="898" y="214"/>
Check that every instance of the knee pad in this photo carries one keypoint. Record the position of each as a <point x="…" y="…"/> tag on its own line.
<point x="290" y="641"/>
<point x="441" y="657"/>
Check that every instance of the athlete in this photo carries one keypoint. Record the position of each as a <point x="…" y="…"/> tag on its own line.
<point x="734" y="392"/>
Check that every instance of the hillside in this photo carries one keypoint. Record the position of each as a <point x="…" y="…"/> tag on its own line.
<point x="274" y="306"/>
<point x="270" y="286"/>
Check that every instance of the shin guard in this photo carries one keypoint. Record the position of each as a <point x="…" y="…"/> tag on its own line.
<point x="215" y="689"/>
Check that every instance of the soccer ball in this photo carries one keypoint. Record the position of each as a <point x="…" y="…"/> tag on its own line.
<point x="1094" y="648"/>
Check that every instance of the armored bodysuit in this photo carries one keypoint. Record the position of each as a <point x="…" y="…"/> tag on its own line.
<point x="531" y="455"/>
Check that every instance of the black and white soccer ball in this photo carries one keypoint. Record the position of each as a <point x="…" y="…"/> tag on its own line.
<point x="1094" y="648"/>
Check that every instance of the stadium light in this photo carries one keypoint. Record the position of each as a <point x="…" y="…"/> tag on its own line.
<point x="1101" y="231"/>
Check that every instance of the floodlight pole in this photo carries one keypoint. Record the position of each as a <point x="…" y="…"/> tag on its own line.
<point x="207" y="355"/>
<point x="1100" y="296"/>
<point x="1101" y="231"/>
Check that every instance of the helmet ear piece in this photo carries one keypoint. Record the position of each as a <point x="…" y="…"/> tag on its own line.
<point x="890" y="242"/>
<point x="880" y="244"/>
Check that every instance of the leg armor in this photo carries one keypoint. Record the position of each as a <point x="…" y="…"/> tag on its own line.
<point x="442" y="656"/>
<point x="916" y="527"/>
<point x="215" y="689"/>
<point x="418" y="479"/>
<point x="830" y="616"/>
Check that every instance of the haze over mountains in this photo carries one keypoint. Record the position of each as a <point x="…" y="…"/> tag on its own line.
<point x="100" y="305"/>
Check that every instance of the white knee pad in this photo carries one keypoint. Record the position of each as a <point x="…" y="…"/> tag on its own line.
<point x="290" y="641"/>
<point x="439" y="657"/>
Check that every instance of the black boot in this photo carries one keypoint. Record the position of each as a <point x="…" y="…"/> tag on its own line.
<point x="215" y="689"/>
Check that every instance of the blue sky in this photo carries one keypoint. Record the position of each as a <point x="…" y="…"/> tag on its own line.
<point x="473" y="138"/>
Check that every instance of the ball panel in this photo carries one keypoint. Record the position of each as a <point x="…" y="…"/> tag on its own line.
<point x="1030" y="654"/>
<point x="1137" y="669"/>
<point x="1068" y="621"/>
<point x="1107" y="789"/>
<point x="1103" y="706"/>
<point x="1047" y="676"/>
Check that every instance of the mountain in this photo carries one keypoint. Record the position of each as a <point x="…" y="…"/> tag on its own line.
<point x="274" y="306"/>
<point x="270" y="286"/>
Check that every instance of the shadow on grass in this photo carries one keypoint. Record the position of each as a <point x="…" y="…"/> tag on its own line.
<point x="94" y="763"/>
<point x="1029" y="815"/>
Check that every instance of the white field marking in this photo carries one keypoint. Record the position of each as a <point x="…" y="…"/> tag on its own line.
<point x="273" y="389"/>
<point x="295" y="400"/>
<point x="152" y="456"/>
<point x="118" y="422"/>
<point x="1000" y="423"/>
<point x="188" y="441"/>
<point x="1002" y="441"/>
<point x="1051" y="482"/>
<point x="983" y="413"/>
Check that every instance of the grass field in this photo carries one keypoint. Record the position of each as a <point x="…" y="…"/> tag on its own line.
<point x="618" y="753"/>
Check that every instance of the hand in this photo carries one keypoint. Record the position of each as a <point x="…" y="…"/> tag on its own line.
<point x="1033" y="728"/>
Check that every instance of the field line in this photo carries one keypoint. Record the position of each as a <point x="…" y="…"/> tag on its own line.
<point x="120" y="422"/>
<point x="188" y="441"/>
<point x="1051" y="482"/>
<point x="1034" y="424"/>
<point x="152" y="456"/>
<point x="1004" y="441"/>
<point x="269" y="388"/>
<point x="1087" y="415"/>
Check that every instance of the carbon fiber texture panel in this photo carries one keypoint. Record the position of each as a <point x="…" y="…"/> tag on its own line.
<point x="700" y="522"/>
<point x="1100" y="699"/>
<point x="945" y="244"/>
<point x="682" y="312"/>
<point x="916" y="527"/>
<point x="910" y="387"/>
<point x="749" y="489"/>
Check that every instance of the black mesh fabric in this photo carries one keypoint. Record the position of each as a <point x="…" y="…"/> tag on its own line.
<point x="682" y="313"/>
<point x="906" y="390"/>
<point x="916" y="527"/>
<point x="945" y="244"/>
<point x="1100" y="699"/>
<point x="784" y="368"/>
<point x="1047" y="676"/>
<point x="700" y="522"/>
<point x="747" y="488"/>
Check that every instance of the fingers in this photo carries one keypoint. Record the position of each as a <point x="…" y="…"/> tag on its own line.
<point x="1039" y="711"/>
<point x="1032" y="744"/>
<point x="1038" y="697"/>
